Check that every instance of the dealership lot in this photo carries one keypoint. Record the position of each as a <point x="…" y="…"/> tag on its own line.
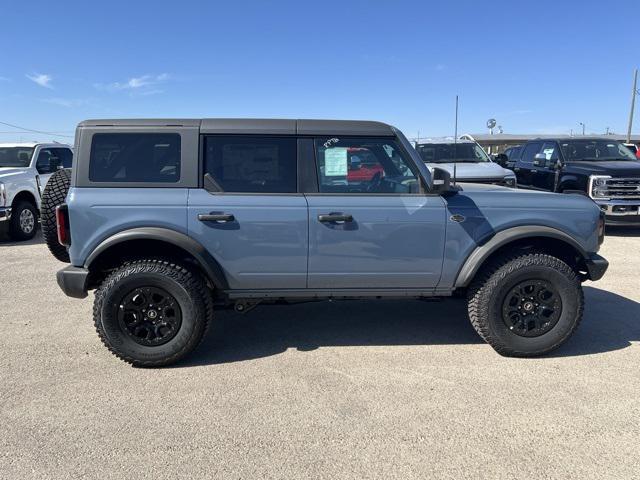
<point x="345" y="389"/>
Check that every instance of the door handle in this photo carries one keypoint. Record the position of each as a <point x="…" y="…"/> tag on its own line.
<point x="335" y="217"/>
<point x="216" y="217"/>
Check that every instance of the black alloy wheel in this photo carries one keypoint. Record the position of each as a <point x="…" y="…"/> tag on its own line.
<point x="531" y="308"/>
<point x="149" y="315"/>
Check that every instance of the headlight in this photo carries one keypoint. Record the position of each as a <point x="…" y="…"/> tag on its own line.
<point x="3" y="195"/>
<point x="510" y="182"/>
<point x="598" y="187"/>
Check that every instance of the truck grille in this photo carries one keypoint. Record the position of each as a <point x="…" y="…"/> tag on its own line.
<point x="623" y="188"/>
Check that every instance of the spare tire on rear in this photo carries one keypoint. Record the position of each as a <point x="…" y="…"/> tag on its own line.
<point x="54" y="194"/>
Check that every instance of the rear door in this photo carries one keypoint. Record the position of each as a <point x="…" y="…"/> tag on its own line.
<point x="369" y="226"/>
<point x="524" y="167"/>
<point x="251" y="217"/>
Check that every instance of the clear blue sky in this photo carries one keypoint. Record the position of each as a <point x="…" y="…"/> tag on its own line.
<point x="534" y="66"/>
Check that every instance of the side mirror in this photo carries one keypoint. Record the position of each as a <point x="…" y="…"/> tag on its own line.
<point x="540" y="160"/>
<point x="441" y="180"/>
<point x="501" y="159"/>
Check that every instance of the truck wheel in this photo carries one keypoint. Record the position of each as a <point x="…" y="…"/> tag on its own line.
<point x="526" y="305"/>
<point x="53" y="195"/>
<point x="152" y="313"/>
<point x="24" y="221"/>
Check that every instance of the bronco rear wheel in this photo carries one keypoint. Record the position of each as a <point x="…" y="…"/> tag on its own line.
<point x="54" y="194"/>
<point x="526" y="305"/>
<point x="152" y="313"/>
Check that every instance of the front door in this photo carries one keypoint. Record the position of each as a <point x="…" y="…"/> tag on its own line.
<point x="49" y="161"/>
<point x="524" y="168"/>
<point x="545" y="175"/>
<point x="251" y="218"/>
<point x="369" y="227"/>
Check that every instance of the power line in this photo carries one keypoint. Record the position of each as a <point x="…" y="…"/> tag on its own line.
<point x="31" y="130"/>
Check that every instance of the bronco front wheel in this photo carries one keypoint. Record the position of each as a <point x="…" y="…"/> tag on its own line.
<point x="152" y="313"/>
<point x="526" y="305"/>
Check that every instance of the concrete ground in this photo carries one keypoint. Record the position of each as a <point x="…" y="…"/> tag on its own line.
<point x="329" y="390"/>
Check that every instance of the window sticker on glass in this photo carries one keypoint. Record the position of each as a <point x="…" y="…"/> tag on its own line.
<point x="548" y="152"/>
<point x="335" y="162"/>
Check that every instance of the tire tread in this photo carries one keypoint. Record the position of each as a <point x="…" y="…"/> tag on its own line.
<point x="488" y="281"/>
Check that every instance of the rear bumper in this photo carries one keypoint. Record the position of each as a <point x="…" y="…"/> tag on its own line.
<point x="73" y="281"/>
<point x="596" y="266"/>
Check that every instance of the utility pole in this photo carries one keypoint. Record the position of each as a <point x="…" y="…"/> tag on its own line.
<point x="634" y="92"/>
<point x="582" y="128"/>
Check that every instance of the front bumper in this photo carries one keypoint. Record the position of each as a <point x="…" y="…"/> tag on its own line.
<point x="73" y="281"/>
<point x="596" y="266"/>
<point x="621" y="212"/>
<point x="5" y="214"/>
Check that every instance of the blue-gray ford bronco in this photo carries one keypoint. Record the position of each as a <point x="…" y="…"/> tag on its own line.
<point x="169" y="220"/>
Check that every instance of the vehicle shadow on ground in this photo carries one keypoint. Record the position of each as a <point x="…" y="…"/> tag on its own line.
<point x="611" y="322"/>
<point x="622" y="232"/>
<point x="6" y="241"/>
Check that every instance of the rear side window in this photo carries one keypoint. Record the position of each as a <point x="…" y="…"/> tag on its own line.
<point x="252" y="164"/>
<point x="135" y="157"/>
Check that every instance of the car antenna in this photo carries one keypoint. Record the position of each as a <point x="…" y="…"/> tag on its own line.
<point x="455" y="144"/>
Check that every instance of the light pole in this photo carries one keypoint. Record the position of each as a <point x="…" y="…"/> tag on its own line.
<point x="582" y="128"/>
<point x="634" y="92"/>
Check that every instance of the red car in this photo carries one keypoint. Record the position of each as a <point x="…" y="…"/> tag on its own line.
<point x="363" y="165"/>
<point x="634" y="148"/>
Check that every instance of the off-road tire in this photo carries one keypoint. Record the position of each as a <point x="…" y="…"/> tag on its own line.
<point x="491" y="286"/>
<point x="16" y="232"/>
<point x="54" y="194"/>
<point x="185" y="285"/>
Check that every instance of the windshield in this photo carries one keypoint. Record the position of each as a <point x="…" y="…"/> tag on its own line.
<point x="595" y="150"/>
<point x="451" y="153"/>
<point x="15" y="156"/>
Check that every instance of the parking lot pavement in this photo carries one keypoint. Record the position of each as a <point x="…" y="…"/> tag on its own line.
<point x="327" y="390"/>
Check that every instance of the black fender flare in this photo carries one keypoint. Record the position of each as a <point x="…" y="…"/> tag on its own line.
<point x="482" y="252"/>
<point x="208" y="264"/>
<point x="568" y="180"/>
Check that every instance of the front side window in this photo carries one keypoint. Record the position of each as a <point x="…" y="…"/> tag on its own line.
<point x="596" y="150"/>
<point x="52" y="159"/>
<point x="64" y="155"/>
<point x="452" y="153"/>
<point x="550" y="151"/>
<point x="15" y="156"/>
<point x="135" y="157"/>
<point x="363" y="165"/>
<point x="252" y="163"/>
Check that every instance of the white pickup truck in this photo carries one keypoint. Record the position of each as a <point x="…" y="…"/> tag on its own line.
<point x="25" y="169"/>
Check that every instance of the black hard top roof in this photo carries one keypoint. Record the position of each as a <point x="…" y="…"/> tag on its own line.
<point x="256" y="126"/>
